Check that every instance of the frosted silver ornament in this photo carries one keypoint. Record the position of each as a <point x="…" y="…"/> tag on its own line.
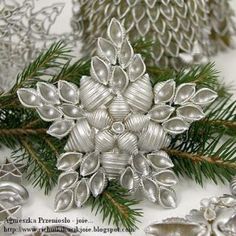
<point x="69" y="161"/>
<point x="90" y="164"/>
<point x="67" y="180"/>
<point x="68" y="92"/>
<point x="64" y="200"/>
<point x="98" y="182"/>
<point x="81" y="193"/>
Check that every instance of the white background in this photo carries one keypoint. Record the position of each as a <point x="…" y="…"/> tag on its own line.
<point x="189" y="193"/>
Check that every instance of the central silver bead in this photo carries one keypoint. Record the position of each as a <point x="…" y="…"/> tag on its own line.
<point x="118" y="127"/>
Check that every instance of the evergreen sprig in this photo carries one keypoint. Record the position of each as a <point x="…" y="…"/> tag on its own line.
<point x="116" y="207"/>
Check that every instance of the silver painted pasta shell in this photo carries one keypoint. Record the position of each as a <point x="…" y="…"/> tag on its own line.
<point x="104" y="141"/>
<point x="99" y="118"/>
<point x="81" y="138"/>
<point x="140" y="165"/>
<point x="175" y="125"/>
<point x="190" y="112"/>
<point x="67" y="179"/>
<point x="72" y="111"/>
<point x="129" y="179"/>
<point x="114" y="163"/>
<point x="204" y="97"/>
<point x="161" y="113"/>
<point x="164" y="91"/>
<point x="98" y="182"/>
<point x="81" y="193"/>
<point x="100" y="70"/>
<point x="13" y="193"/>
<point x="48" y="93"/>
<point x="64" y="200"/>
<point x="128" y="142"/>
<point x="182" y="227"/>
<point x="233" y="186"/>
<point x="106" y="50"/>
<point x="160" y="160"/>
<point x="150" y="189"/>
<point x="93" y="94"/>
<point x="139" y="94"/>
<point x="136" y="68"/>
<point x="90" y="164"/>
<point x="69" y="161"/>
<point x="153" y="138"/>
<point x="29" y="97"/>
<point x="126" y="54"/>
<point x="166" y="178"/>
<point x="116" y="32"/>
<point x="49" y="112"/>
<point x="60" y="128"/>
<point x="119" y="108"/>
<point x="136" y="122"/>
<point x="119" y="79"/>
<point x="68" y="92"/>
<point x="167" y="197"/>
<point x="184" y="93"/>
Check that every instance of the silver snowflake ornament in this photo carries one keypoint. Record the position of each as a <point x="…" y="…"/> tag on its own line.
<point x="117" y="124"/>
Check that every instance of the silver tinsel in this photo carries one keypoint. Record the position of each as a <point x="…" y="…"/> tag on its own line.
<point x="184" y="32"/>
<point x="217" y="216"/>
<point x="117" y="124"/>
<point x="24" y="32"/>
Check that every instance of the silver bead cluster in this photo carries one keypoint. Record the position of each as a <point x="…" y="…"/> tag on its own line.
<point x="183" y="32"/>
<point x="117" y="124"/>
<point x="216" y="216"/>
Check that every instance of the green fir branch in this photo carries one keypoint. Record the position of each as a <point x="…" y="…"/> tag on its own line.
<point x="116" y="207"/>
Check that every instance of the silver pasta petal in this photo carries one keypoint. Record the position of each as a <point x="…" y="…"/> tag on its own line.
<point x="167" y="198"/>
<point x="49" y="112"/>
<point x="119" y="79"/>
<point x="98" y="182"/>
<point x="68" y="92"/>
<point x="184" y="93"/>
<point x="160" y="160"/>
<point x="175" y="125"/>
<point x="136" y="68"/>
<point x="64" y="200"/>
<point x="69" y="161"/>
<point x="81" y="193"/>
<point x="90" y="164"/>
<point x="166" y="178"/>
<point x="72" y="111"/>
<point x="67" y="179"/>
<point x="48" y="93"/>
<point x="106" y="50"/>
<point x="204" y="97"/>
<point x="29" y="97"/>
<point x="150" y="189"/>
<point x="161" y="113"/>
<point x="190" y="112"/>
<point x="140" y="165"/>
<point x="100" y="70"/>
<point x="126" y="54"/>
<point x="60" y="128"/>
<point x="129" y="179"/>
<point x="164" y="91"/>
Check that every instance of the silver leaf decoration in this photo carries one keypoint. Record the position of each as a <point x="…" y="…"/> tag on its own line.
<point x="89" y="164"/>
<point x="29" y="98"/>
<point x="60" y="128"/>
<point x="69" y="161"/>
<point x="150" y="189"/>
<point x="81" y="193"/>
<point x="67" y="180"/>
<point x="49" y="113"/>
<point x="64" y="200"/>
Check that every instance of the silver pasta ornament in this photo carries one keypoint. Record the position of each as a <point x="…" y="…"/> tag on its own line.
<point x="117" y="124"/>
<point x="183" y="32"/>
